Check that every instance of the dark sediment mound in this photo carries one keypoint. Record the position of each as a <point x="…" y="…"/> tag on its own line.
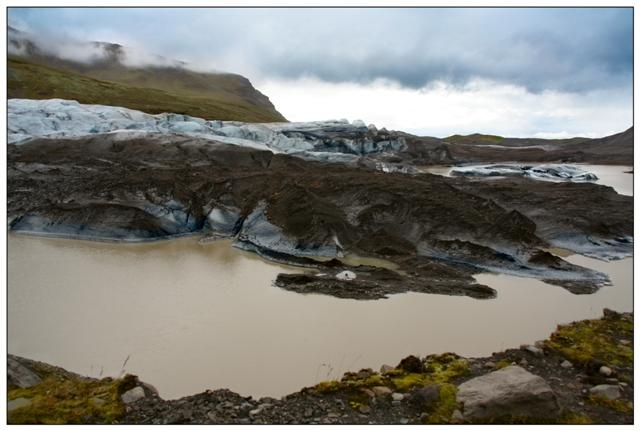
<point x="582" y="374"/>
<point x="438" y="231"/>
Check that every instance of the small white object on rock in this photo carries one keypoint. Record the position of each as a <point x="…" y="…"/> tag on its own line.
<point x="566" y="364"/>
<point x="606" y="371"/>
<point x="610" y="392"/>
<point x="397" y="396"/>
<point x="346" y="275"/>
<point x="133" y="395"/>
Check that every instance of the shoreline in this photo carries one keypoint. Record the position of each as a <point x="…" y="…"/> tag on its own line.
<point x="586" y="369"/>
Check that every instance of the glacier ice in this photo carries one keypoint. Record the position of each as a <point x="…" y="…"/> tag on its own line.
<point x="546" y="172"/>
<point x="334" y="140"/>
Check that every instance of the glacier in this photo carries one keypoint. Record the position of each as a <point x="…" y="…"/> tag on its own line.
<point x="333" y="140"/>
<point x="544" y="172"/>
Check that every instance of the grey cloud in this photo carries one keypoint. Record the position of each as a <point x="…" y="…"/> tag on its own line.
<point x="542" y="49"/>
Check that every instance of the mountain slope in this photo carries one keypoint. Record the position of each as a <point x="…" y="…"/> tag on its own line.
<point x="107" y="77"/>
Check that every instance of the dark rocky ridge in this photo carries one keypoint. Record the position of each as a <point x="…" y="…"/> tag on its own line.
<point x="438" y="231"/>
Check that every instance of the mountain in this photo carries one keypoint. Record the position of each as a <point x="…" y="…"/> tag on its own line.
<point x="110" y="74"/>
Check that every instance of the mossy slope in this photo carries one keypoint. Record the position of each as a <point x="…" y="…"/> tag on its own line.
<point x="62" y="399"/>
<point x="152" y="91"/>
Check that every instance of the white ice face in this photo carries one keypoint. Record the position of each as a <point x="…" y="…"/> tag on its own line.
<point x="547" y="172"/>
<point x="58" y="118"/>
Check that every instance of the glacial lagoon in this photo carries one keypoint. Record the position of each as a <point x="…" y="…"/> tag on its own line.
<point x="188" y="317"/>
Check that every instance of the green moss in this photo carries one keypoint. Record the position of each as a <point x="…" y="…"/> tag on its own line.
<point x="144" y="93"/>
<point x="574" y="418"/>
<point x="374" y="380"/>
<point x="356" y="404"/>
<point x="567" y="418"/>
<point x="351" y="382"/>
<point x="446" y="405"/>
<point x="328" y="386"/>
<point x="446" y="367"/>
<point x="581" y="342"/>
<point x="61" y="400"/>
<point x="438" y="369"/>
<point x="409" y="381"/>
<point x="502" y="363"/>
<point x="619" y="406"/>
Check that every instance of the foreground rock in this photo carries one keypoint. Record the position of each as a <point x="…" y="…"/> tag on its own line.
<point x="428" y="233"/>
<point x="511" y="391"/>
<point x="442" y="389"/>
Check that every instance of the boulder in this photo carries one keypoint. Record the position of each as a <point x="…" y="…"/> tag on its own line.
<point x="610" y="392"/>
<point x="396" y="396"/>
<point x="381" y="390"/>
<point x="133" y="395"/>
<point x="19" y="375"/>
<point x="511" y="391"/>
<point x="425" y="396"/>
<point x="605" y="371"/>
<point x="18" y="403"/>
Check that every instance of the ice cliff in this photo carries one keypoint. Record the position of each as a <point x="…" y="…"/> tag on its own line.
<point x="324" y="140"/>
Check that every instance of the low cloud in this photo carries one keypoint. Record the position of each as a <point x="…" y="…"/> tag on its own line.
<point x="564" y="49"/>
<point x="80" y="51"/>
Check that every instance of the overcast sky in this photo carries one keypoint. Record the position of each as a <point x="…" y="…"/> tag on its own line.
<point x="515" y="72"/>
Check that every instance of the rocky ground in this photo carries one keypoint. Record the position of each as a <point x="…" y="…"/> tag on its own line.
<point x="583" y="373"/>
<point x="435" y="231"/>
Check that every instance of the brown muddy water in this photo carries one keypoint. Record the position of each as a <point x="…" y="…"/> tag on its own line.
<point x="608" y="175"/>
<point x="188" y="317"/>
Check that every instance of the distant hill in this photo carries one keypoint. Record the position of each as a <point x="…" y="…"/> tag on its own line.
<point x="161" y="85"/>
<point x="614" y="149"/>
